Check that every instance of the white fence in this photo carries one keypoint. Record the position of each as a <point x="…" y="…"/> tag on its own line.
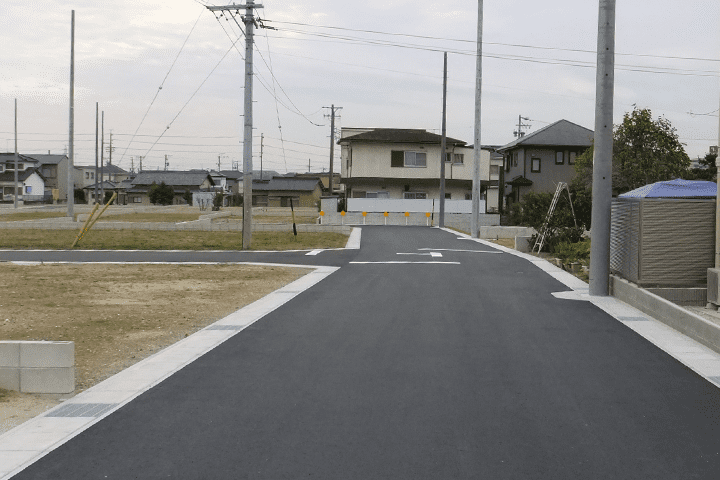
<point x="380" y="205"/>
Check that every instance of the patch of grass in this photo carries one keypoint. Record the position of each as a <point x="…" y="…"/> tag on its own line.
<point x="151" y="217"/>
<point x="165" y="240"/>
<point x="21" y="216"/>
<point x="4" y="395"/>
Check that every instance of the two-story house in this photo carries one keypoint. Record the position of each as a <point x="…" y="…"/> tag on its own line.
<point x="538" y="161"/>
<point x="405" y="164"/>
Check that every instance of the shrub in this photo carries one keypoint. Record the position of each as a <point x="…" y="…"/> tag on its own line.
<point x="573" y="252"/>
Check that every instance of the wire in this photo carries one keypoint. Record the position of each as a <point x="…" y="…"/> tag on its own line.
<point x="191" y="97"/>
<point x="161" y="85"/>
<point x="493" y="43"/>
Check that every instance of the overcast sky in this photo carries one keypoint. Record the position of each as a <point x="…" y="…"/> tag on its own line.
<point x="538" y="63"/>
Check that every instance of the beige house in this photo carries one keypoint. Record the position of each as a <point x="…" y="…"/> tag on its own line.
<point x="405" y="164"/>
<point x="538" y="161"/>
<point x="278" y="191"/>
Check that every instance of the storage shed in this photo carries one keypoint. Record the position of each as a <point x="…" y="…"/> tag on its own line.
<point x="663" y="234"/>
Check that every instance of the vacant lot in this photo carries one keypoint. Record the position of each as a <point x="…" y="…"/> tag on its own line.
<point x="118" y="314"/>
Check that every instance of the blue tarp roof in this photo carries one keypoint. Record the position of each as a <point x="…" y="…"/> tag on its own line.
<point x="677" y="188"/>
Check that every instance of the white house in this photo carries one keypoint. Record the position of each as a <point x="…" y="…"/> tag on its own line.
<point x="405" y="164"/>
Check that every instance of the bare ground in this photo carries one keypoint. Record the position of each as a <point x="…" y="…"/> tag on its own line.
<point x="118" y="314"/>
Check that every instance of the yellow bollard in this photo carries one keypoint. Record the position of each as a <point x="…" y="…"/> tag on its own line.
<point x="407" y="215"/>
<point x="385" y="215"/>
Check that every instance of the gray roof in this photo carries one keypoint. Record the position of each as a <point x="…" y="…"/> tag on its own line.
<point x="106" y="185"/>
<point x="559" y="134"/>
<point x="400" y="135"/>
<point x="110" y="168"/>
<point x="193" y="178"/>
<point x="48" y="159"/>
<point x="10" y="158"/>
<point x="286" y="184"/>
<point x="9" y="175"/>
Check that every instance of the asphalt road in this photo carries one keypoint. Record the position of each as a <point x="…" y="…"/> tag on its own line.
<point x="461" y="370"/>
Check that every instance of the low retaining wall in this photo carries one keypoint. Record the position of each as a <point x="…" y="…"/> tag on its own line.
<point x="496" y="232"/>
<point x="687" y="323"/>
<point x="459" y="221"/>
<point x="37" y="366"/>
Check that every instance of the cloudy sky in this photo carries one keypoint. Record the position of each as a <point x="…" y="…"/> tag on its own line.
<point x="380" y="60"/>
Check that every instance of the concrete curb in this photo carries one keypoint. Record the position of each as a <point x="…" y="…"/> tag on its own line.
<point x="672" y="315"/>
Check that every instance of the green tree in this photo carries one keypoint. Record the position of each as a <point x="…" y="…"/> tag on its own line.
<point x="706" y="171"/>
<point x="644" y="151"/>
<point x="161" y="194"/>
<point x="187" y="196"/>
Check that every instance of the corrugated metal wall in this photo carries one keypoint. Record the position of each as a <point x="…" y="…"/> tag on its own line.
<point x="666" y="242"/>
<point x="624" y="238"/>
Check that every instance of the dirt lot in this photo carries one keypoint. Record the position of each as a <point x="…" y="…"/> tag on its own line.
<point x="118" y="314"/>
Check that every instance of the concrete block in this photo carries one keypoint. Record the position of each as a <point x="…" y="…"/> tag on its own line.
<point x="47" y="354"/>
<point x="10" y="378"/>
<point x="9" y="354"/>
<point x="522" y="244"/>
<point x="47" y="380"/>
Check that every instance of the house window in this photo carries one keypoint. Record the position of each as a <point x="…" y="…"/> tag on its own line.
<point x="137" y="200"/>
<point x="535" y="165"/>
<point x="415" y="159"/>
<point x="28" y="189"/>
<point x="455" y="158"/>
<point x="415" y="195"/>
<point x="9" y="166"/>
<point x="21" y="166"/>
<point x="571" y="158"/>
<point x="2" y="167"/>
<point x="515" y="159"/>
<point x="87" y="175"/>
<point x="448" y="196"/>
<point x="559" y="158"/>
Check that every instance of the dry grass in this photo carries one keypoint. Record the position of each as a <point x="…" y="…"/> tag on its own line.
<point x="152" y="217"/>
<point x="22" y="216"/>
<point x="166" y="240"/>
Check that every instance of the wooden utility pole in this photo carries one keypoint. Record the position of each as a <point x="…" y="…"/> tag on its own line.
<point x="249" y="20"/>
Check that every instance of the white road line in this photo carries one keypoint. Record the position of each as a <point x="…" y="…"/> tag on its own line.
<point x="456" y="250"/>
<point x="399" y="262"/>
<point x="314" y="252"/>
<point x="431" y="254"/>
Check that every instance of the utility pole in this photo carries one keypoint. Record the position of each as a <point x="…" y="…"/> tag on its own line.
<point x="71" y="130"/>
<point x="167" y="162"/>
<point x="110" y="149"/>
<point x="602" y="161"/>
<point x="16" y="158"/>
<point x="441" y="221"/>
<point x="519" y="132"/>
<point x="96" y="150"/>
<point x="717" y="208"/>
<point x="140" y="159"/>
<point x="102" y="160"/>
<point x="333" y="109"/>
<point x="218" y="163"/>
<point x="477" y="151"/>
<point x="309" y="166"/>
<point x="249" y="21"/>
<point x="262" y="141"/>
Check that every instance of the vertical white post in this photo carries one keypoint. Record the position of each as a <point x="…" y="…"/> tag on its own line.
<point x="477" y="153"/>
<point x="602" y="161"/>
<point x="16" y="158"/>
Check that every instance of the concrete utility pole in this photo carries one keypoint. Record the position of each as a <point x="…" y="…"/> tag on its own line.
<point x="262" y="142"/>
<point x="97" y="119"/>
<point x="477" y="152"/>
<point x="167" y="162"/>
<point x="16" y="158"/>
<point x="333" y="109"/>
<point x="717" y="205"/>
<point x="102" y="159"/>
<point x="602" y="161"/>
<point x="110" y="150"/>
<point x="71" y="134"/>
<point x="249" y="21"/>
<point x="443" y="140"/>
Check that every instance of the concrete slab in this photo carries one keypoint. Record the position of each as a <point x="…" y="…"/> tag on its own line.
<point x="47" y="354"/>
<point x="9" y="353"/>
<point x="47" y="380"/>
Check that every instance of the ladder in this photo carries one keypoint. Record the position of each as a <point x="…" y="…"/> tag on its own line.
<point x="544" y="229"/>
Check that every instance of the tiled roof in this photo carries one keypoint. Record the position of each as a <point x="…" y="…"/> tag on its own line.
<point x="561" y="133"/>
<point x="193" y="178"/>
<point x="48" y="159"/>
<point x="9" y="175"/>
<point x="400" y="135"/>
<point x="10" y="158"/>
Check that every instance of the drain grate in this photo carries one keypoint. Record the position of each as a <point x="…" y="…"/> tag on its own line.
<point x="225" y="327"/>
<point x="633" y="319"/>
<point x="82" y="410"/>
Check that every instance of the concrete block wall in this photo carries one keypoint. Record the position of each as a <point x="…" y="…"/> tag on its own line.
<point x="495" y="232"/>
<point x="37" y="366"/>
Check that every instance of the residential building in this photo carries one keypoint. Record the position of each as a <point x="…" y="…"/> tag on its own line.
<point x="278" y="191"/>
<point x="536" y="162"/>
<point x="405" y="164"/>
<point x="193" y="181"/>
<point x="54" y="170"/>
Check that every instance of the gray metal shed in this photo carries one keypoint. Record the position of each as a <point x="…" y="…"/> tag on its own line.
<point x="664" y="234"/>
